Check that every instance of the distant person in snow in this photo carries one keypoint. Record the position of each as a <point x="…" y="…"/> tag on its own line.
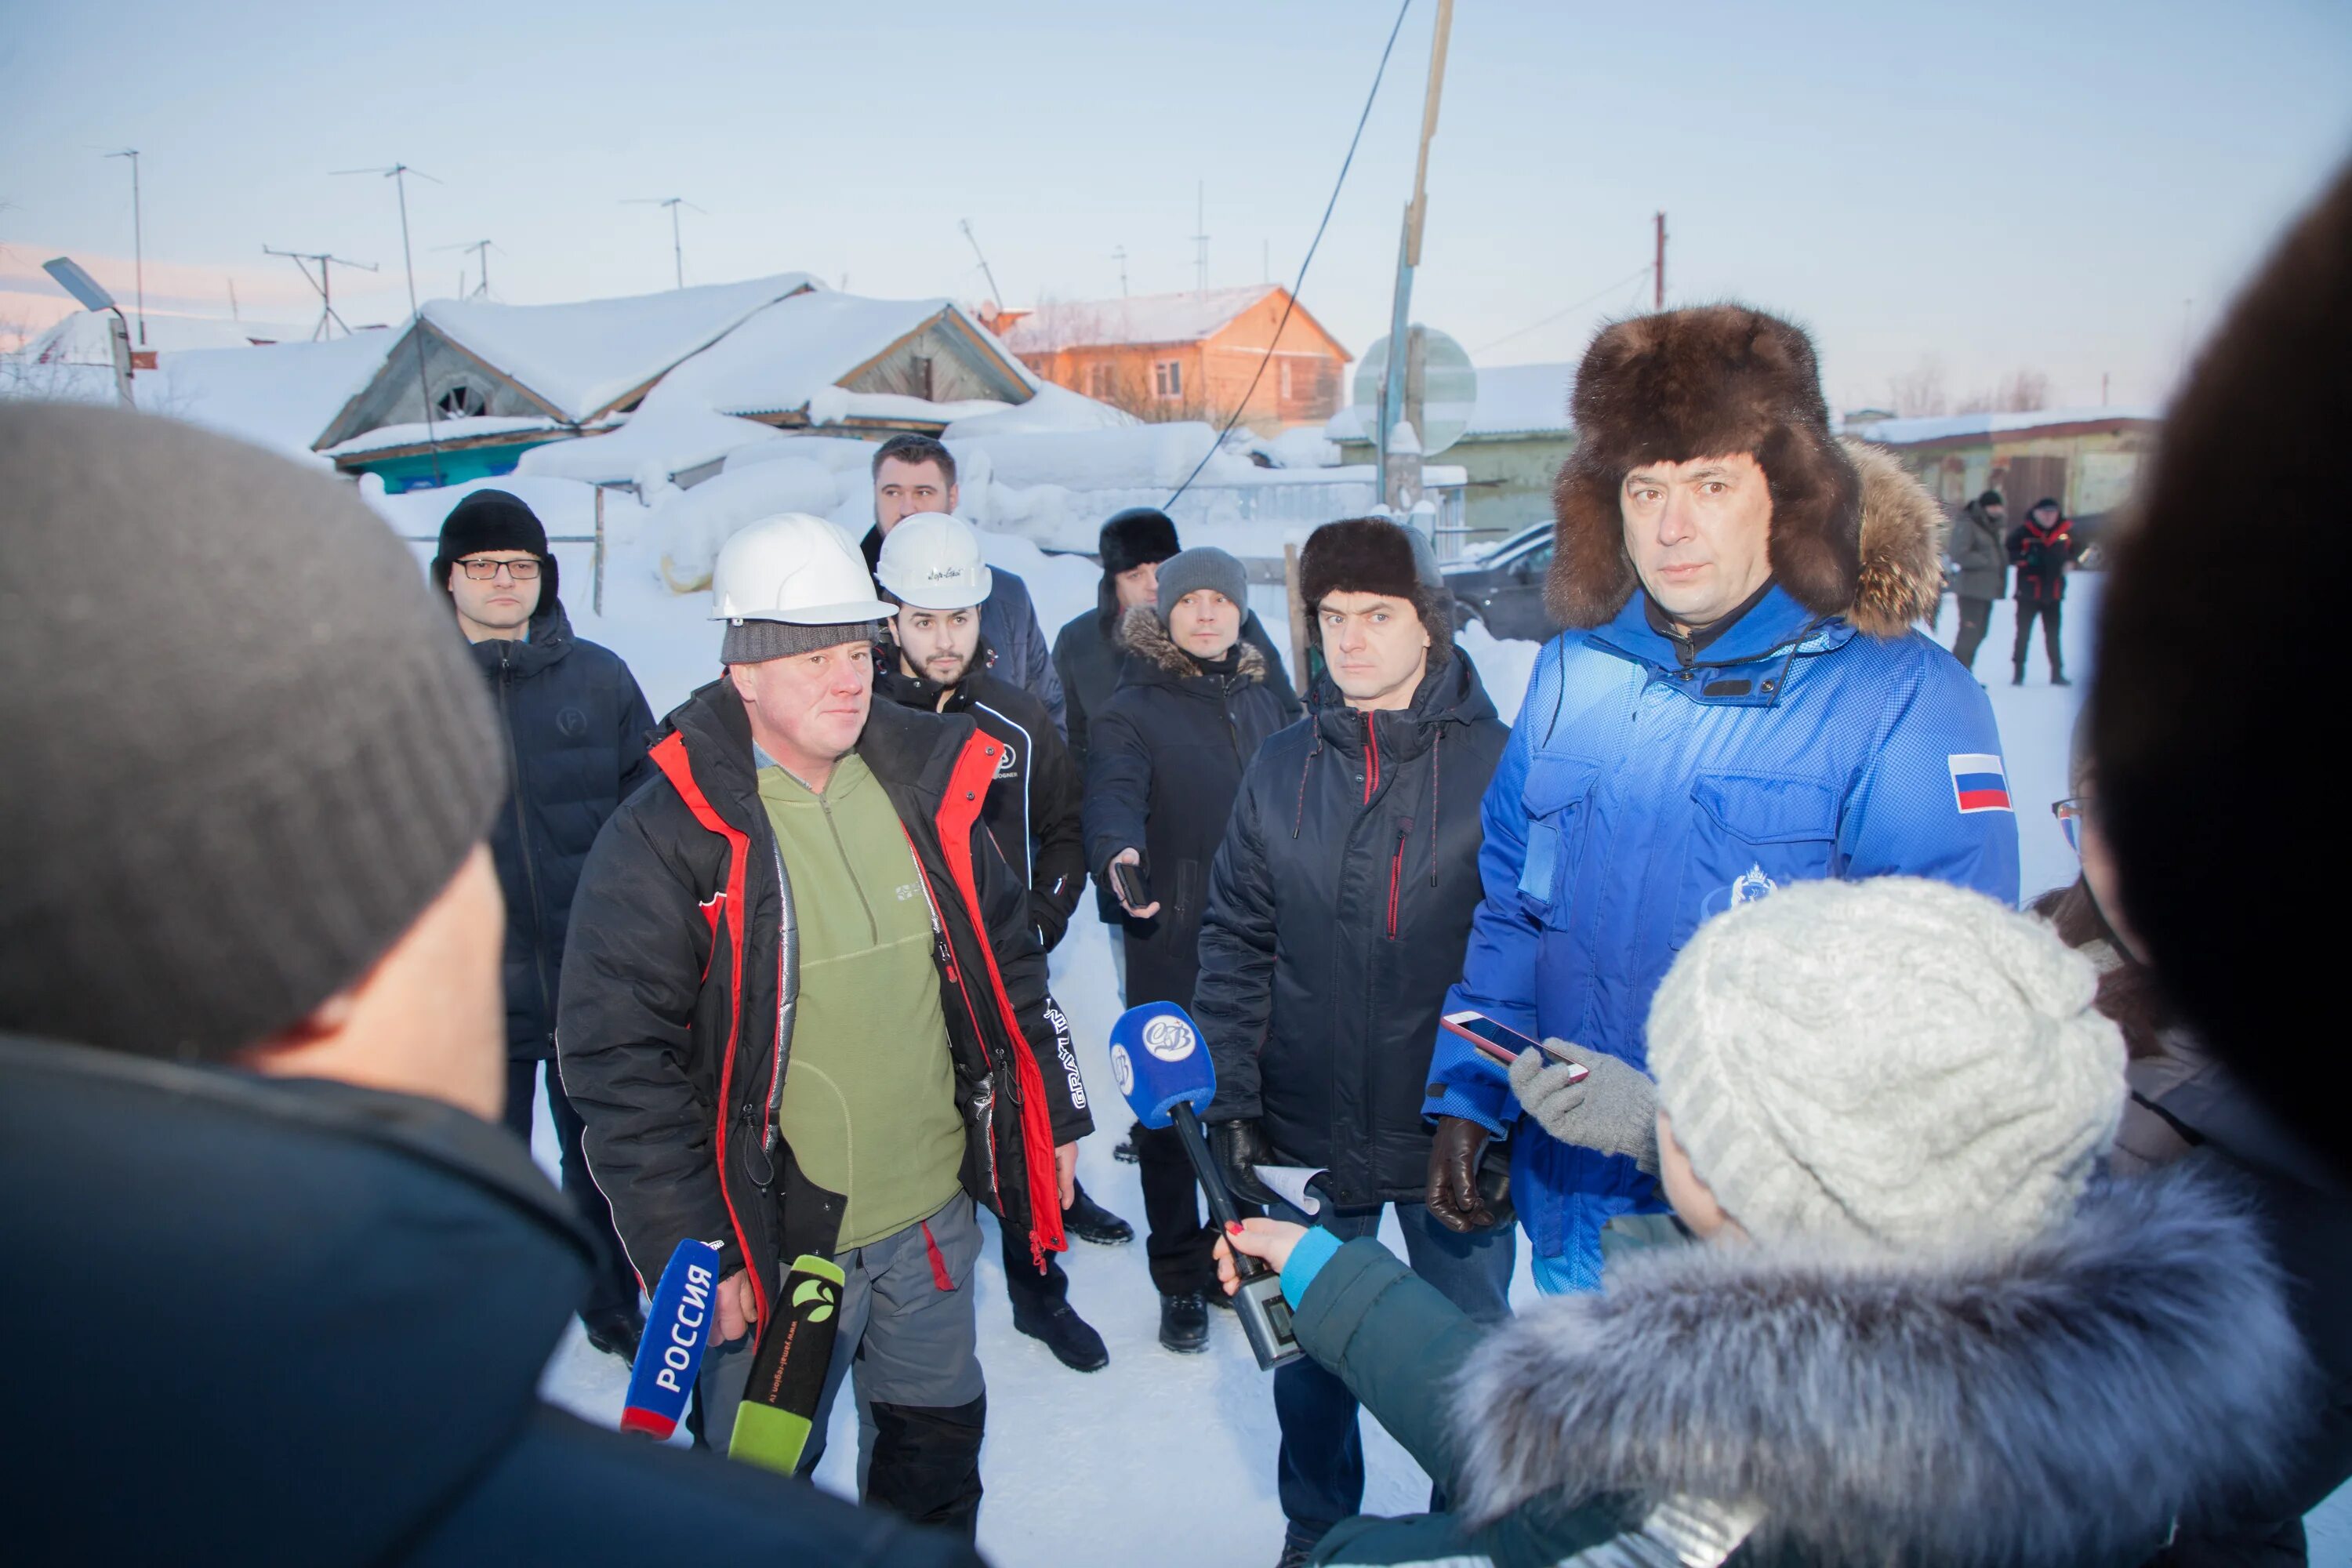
<point x="804" y="1011"/>
<point x="1980" y="551"/>
<point x="914" y="473"/>
<point x="1132" y="546"/>
<point x="1166" y="760"/>
<point x="253" y="1055"/>
<point x="1339" y="905"/>
<point x="575" y="736"/>
<point x="1913" y="1322"/>
<point x="2042" y="549"/>
<point x="936" y="662"/>
<point x="1741" y="702"/>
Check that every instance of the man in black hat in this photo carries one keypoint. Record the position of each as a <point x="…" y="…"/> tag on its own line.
<point x="1980" y="552"/>
<point x="576" y="730"/>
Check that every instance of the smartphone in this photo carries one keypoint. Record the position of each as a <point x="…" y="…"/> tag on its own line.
<point x="1501" y="1044"/>
<point x="1129" y="881"/>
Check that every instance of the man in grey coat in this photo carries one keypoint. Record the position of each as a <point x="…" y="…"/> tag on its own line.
<point x="1980" y="553"/>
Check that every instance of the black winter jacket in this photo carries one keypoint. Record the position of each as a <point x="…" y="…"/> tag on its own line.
<point x="2042" y="556"/>
<point x="1031" y="807"/>
<point x="1340" y="907"/>
<point x="1166" y="760"/>
<point x="683" y="976"/>
<point x="337" y="1307"/>
<point x="576" y="729"/>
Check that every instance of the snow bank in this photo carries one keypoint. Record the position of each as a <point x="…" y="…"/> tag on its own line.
<point x="694" y="523"/>
<point x="1054" y="409"/>
<point x="279" y="395"/>
<point x="669" y="439"/>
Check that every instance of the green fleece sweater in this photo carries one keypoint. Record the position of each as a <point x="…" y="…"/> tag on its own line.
<point x="869" y="1094"/>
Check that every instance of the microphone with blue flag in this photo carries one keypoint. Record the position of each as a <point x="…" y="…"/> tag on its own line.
<point x="1162" y="1067"/>
<point x="669" y="1355"/>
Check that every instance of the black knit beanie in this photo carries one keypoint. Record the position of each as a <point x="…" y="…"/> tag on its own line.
<point x="495" y="519"/>
<point x="249" y="748"/>
<point x="1991" y="497"/>
<point x="1373" y="555"/>
<point x="1139" y="536"/>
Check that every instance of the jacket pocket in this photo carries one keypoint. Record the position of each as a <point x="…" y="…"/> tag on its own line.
<point x="1556" y="799"/>
<point x="1750" y="834"/>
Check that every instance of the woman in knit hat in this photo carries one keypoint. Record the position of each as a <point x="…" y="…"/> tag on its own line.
<point x="1926" y="1329"/>
<point x="1163" y="766"/>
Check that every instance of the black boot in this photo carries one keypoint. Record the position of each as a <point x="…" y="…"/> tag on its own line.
<point x="1089" y="1221"/>
<point x="2019" y="679"/>
<point x="1184" y="1324"/>
<point x="615" y="1332"/>
<point x="2058" y="677"/>
<point x="1295" y="1549"/>
<point x="1073" y="1343"/>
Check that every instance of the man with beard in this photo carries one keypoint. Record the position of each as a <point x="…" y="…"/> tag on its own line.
<point x="930" y="570"/>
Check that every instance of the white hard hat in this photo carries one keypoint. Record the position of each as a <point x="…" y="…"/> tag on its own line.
<point x="931" y="561"/>
<point x="794" y="568"/>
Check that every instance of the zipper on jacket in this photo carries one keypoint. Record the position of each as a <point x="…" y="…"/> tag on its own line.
<point x="1372" y="769"/>
<point x="873" y="926"/>
<point x="1396" y="872"/>
<point x="522" y="841"/>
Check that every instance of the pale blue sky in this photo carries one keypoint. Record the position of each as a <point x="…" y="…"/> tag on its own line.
<point x="1996" y="184"/>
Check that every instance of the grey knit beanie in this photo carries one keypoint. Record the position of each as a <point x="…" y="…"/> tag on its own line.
<point x="1895" y="1061"/>
<point x="1205" y="567"/>
<point x="249" y="746"/>
<point x="755" y="642"/>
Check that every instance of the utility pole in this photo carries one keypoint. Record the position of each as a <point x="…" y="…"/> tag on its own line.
<point x="1658" y="268"/>
<point x="138" y="241"/>
<point x="1201" y="238"/>
<point x="398" y="174"/>
<point x="1401" y="470"/>
<point x="1119" y="256"/>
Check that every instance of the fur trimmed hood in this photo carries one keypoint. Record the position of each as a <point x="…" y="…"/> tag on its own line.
<point x="2062" y="1404"/>
<point x="1142" y="631"/>
<point x="1853" y="535"/>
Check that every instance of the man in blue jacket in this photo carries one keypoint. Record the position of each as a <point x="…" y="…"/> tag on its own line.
<point x="1741" y="700"/>
<point x="575" y="727"/>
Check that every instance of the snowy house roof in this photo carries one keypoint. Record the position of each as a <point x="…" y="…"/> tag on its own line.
<point x="1513" y="400"/>
<point x="792" y="361"/>
<point x="572" y="363"/>
<point x="276" y="395"/>
<point x="1187" y="317"/>
<point x="1968" y="426"/>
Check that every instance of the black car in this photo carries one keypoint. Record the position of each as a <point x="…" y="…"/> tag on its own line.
<point x="1504" y="588"/>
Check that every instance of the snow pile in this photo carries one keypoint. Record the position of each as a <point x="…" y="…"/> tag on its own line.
<point x="694" y="523"/>
<point x="279" y="395"/>
<point x="1302" y="447"/>
<point x="667" y="439"/>
<point x="1052" y="409"/>
<point x="582" y="358"/>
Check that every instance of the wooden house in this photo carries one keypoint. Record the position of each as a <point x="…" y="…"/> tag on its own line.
<point x="1185" y="356"/>
<point x="2087" y="457"/>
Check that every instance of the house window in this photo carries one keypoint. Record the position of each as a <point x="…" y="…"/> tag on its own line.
<point x="1099" y="381"/>
<point x="463" y="402"/>
<point x="1285" y="373"/>
<point x="1168" y="378"/>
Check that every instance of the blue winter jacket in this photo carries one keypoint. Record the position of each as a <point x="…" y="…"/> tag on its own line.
<point x="1637" y="798"/>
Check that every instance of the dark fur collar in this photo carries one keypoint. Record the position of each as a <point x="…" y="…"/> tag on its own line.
<point x="1142" y="633"/>
<point x="2060" y="1405"/>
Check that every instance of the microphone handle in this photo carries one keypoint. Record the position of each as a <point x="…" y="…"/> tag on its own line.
<point x="1213" y="1180"/>
<point x="1257" y="1296"/>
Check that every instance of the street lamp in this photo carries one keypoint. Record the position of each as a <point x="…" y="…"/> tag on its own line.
<point x="92" y="296"/>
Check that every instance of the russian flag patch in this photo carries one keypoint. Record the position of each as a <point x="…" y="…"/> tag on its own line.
<point x="1980" y="783"/>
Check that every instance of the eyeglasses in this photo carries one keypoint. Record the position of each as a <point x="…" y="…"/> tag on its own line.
<point x="483" y="570"/>
<point x="2072" y="813"/>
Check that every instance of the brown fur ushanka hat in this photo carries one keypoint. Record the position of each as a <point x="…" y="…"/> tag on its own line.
<point x="1704" y="382"/>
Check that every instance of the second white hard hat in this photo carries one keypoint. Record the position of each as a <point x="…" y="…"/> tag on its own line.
<point x="794" y="568"/>
<point x="932" y="562"/>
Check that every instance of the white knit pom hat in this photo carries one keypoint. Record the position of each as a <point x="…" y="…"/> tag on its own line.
<point x="1897" y="1061"/>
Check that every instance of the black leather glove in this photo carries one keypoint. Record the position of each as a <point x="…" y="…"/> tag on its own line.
<point x="1455" y="1195"/>
<point x="1239" y="1146"/>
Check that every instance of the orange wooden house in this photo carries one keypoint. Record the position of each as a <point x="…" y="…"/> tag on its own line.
<point x="1185" y="356"/>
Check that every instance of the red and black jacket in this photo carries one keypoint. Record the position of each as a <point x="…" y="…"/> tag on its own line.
<point x="681" y="971"/>
<point x="2042" y="556"/>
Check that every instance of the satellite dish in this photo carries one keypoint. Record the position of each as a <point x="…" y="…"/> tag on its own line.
<point x="1449" y="389"/>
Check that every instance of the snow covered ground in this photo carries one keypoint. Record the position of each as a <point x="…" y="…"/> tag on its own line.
<point x="1160" y="1457"/>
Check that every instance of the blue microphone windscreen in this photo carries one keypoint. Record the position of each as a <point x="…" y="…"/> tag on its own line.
<point x="1159" y="1061"/>
<point x="677" y="1326"/>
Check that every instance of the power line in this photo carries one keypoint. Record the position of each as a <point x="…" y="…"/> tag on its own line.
<point x="1639" y="272"/>
<point x="1336" y="187"/>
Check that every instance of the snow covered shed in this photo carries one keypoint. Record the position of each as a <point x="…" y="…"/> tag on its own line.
<point x="502" y="379"/>
<point x="1186" y="356"/>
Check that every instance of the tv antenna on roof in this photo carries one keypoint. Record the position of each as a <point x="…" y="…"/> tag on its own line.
<point x="965" y="224"/>
<point x="481" y="249"/>
<point x="138" y="241"/>
<point x="323" y="285"/>
<point x="677" y="245"/>
<point x="1119" y="256"/>
<point x="398" y="174"/>
<point x="1201" y="239"/>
